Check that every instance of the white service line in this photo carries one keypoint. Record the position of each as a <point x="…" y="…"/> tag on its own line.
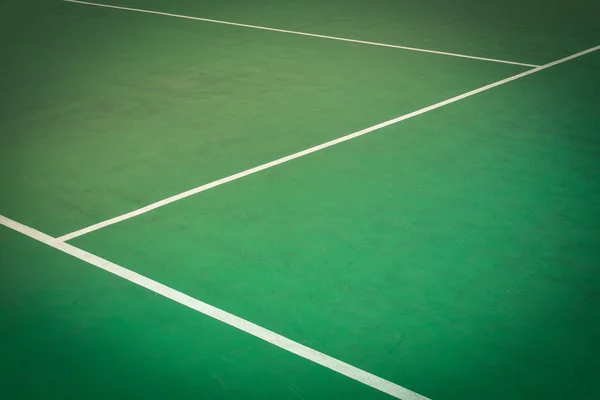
<point x="302" y="153"/>
<point x="264" y="28"/>
<point x="282" y="342"/>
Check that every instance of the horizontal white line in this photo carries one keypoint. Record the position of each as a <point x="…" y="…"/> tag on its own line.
<point x="262" y="167"/>
<point x="302" y="33"/>
<point x="218" y="314"/>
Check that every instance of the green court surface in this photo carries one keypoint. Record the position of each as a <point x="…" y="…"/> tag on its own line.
<point x="455" y="253"/>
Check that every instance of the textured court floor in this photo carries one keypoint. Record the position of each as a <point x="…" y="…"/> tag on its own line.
<point x="455" y="253"/>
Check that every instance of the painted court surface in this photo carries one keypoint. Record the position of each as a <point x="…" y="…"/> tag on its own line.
<point x="454" y="253"/>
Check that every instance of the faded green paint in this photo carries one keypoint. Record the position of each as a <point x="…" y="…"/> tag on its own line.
<point x="455" y="253"/>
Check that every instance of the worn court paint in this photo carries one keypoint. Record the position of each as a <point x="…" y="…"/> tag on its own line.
<point x="334" y="142"/>
<point x="303" y="33"/>
<point x="206" y="108"/>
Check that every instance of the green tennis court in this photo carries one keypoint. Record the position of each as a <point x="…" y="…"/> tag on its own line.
<point x="300" y="199"/>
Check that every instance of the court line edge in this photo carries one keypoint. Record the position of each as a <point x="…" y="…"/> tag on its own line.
<point x="264" y="28"/>
<point x="310" y="150"/>
<point x="232" y="320"/>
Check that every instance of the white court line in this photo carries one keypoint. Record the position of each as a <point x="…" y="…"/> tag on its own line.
<point x="302" y="33"/>
<point x="282" y="342"/>
<point x="302" y="153"/>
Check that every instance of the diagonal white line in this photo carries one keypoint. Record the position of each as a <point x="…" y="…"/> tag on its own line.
<point x="314" y="149"/>
<point x="239" y="323"/>
<point x="264" y="28"/>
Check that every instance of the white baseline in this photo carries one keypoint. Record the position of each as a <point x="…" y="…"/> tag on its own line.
<point x="264" y="28"/>
<point x="302" y="153"/>
<point x="282" y="342"/>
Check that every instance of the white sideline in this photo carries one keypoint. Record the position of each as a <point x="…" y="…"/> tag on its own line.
<point x="264" y="28"/>
<point x="255" y="330"/>
<point x="302" y="153"/>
